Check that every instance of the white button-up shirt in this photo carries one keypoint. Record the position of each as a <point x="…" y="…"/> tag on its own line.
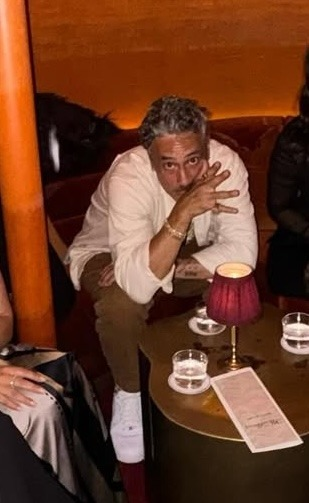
<point x="129" y="207"/>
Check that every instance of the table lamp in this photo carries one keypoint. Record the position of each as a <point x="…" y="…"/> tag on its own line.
<point x="233" y="300"/>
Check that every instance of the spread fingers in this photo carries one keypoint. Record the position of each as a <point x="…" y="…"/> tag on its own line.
<point x="212" y="170"/>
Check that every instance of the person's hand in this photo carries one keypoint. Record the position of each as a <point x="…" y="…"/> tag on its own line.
<point x="203" y="196"/>
<point x="189" y="268"/>
<point x="14" y="381"/>
<point x="208" y="171"/>
<point x="107" y="276"/>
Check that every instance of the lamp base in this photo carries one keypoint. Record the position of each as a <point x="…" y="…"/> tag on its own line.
<point x="235" y="363"/>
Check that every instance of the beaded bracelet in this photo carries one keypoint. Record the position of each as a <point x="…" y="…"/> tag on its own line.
<point x="174" y="232"/>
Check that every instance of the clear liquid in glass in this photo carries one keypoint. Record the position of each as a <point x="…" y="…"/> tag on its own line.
<point x="295" y="332"/>
<point x="190" y="373"/>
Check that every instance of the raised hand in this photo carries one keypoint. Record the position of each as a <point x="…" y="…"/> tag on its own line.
<point x="203" y="196"/>
<point x="209" y="171"/>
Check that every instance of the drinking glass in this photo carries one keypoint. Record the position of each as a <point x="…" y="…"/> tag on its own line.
<point x="204" y="323"/>
<point x="201" y="316"/>
<point x="190" y="368"/>
<point x="295" y="328"/>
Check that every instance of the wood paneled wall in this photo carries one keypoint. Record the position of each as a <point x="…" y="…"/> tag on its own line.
<point x="238" y="57"/>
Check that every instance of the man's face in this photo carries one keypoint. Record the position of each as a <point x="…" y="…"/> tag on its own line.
<point x="178" y="160"/>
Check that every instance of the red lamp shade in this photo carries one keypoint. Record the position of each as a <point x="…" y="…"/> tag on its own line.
<point x="233" y="297"/>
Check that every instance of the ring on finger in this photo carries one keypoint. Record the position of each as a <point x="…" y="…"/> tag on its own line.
<point x="12" y="381"/>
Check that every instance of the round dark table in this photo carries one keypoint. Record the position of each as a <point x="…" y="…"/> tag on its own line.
<point x="193" y="450"/>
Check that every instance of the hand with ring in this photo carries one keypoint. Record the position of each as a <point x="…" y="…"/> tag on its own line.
<point x="17" y="384"/>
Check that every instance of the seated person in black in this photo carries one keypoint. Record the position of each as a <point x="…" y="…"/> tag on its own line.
<point x="288" y="204"/>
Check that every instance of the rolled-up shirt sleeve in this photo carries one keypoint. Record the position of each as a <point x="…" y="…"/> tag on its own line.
<point x="236" y="234"/>
<point x="130" y="229"/>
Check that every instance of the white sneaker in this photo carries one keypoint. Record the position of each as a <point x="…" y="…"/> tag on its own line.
<point x="126" y="427"/>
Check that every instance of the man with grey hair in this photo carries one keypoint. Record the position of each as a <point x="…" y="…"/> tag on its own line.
<point x="163" y="217"/>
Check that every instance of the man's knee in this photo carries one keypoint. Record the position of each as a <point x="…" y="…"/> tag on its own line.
<point x="114" y="303"/>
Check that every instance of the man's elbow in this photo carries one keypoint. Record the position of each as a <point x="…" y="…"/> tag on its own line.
<point x="138" y="291"/>
<point x="251" y="257"/>
<point x="136" y="294"/>
<point x="248" y="253"/>
<point x="140" y="297"/>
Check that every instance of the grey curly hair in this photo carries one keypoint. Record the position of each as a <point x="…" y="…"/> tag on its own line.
<point x="170" y="115"/>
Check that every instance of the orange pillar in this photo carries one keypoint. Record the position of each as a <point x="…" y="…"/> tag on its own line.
<point x="20" y="182"/>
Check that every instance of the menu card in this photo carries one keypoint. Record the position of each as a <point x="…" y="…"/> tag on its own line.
<point x="256" y="415"/>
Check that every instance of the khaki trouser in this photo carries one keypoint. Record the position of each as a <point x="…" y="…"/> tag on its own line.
<point x="120" y="321"/>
